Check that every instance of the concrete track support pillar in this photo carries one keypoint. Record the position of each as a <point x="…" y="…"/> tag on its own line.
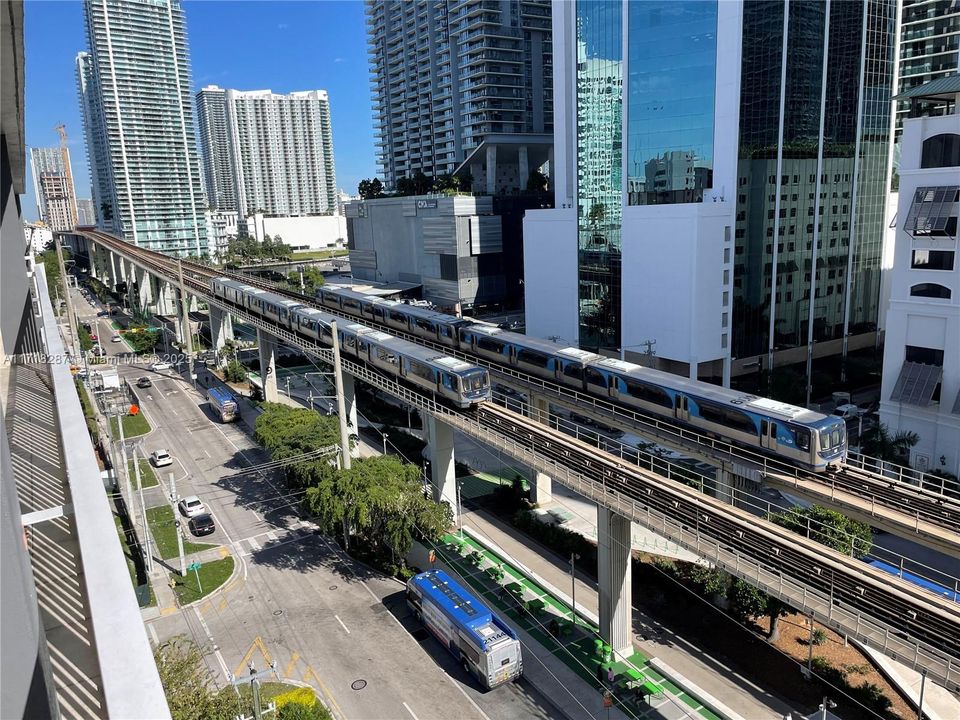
<point x="350" y="406"/>
<point x="613" y="565"/>
<point x="725" y="484"/>
<point x="541" y="490"/>
<point x="221" y="327"/>
<point x="439" y="436"/>
<point x="166" y="299"/>
<point x="268" y="365"/>
<point x="524" y="167"/>
<point x="491" y="169"/>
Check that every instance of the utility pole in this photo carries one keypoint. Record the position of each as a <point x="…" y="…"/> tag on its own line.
<point x="176" y="520"/>
<point x="254" y="679"/>
<point x="143" y="513"/>
<point x="128" y="501"/>
<point x="342" y="413"/>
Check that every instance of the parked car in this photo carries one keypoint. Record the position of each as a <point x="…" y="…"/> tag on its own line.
<point x="201" y="525"/>
<point x="94" y="337"/>
<point x="144" y="382"/>
<point x="161" y="458"/>
<point x="115" y="338"/>
<point x="847" y="411"/>
<point x="102" y="313"/>
<point x="191" y="506"/>
<point x="98" y="351"/>
<point x="160" y="366"/>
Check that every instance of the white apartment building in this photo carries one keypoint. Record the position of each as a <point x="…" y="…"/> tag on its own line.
<point x="53" y="186"/>
<point x="921" y="358"/>
<point x="281" y="152"/>
<point x="221" y="229"/>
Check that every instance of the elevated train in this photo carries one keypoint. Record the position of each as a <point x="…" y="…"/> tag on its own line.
<point x="451" y="379"/>
<point x="802" y="437"/>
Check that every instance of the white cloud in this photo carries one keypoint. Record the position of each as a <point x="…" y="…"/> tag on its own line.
<point x="338" y="60"/>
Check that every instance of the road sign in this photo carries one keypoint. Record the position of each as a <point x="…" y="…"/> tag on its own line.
<point x="194" y="566"/>
<point x="134" y="409"/>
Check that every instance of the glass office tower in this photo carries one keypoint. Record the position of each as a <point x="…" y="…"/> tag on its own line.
<point x="815" y="126"/>
<point x="599" y="202"/>
<point x="135" y="98"/>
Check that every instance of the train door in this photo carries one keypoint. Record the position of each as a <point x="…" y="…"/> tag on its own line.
<point x="681" y="405"/>
<point x="768" y="434"/>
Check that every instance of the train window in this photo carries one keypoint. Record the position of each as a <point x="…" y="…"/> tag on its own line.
<point x="446" y="331"/>
<point x="450" y="382"/>
<point x="361" y="346"/>
<point x="740" y="421"/>
<point x="426" y="325"/>
<point x="825" y="440"/>
<point x="801" y="436"/>
<point x="325" y="331"/>
<point x="475" y="380"/>
<point x="773" y="430"/>
<point x="351" y="304"/>
<point x="530" y="357"/>
<point x="763" y="427"/>
<point x="350" y="341"/>
<point x="398" y="316"/>
<point x="421" y="370"/>
<point x="491" y="345"/>
<point x="573" y="371"/>
<point x="595" y="377"/>
<point x="649" y="393"/>
<point x="386" y="356"/>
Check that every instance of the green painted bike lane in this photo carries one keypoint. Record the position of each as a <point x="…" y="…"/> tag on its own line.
<point x="574" y="641"/>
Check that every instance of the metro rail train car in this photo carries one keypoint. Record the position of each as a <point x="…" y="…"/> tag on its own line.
<point x="805" y="438"/>
<point x="456" y="381"/>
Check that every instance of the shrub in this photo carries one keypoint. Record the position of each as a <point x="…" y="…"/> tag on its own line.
<point x="832" y="675"/>
<point x="559" y="539"/>
<point x="235" y="372"/>
<point x="872" y="696"/>
<point x="819" y="637"/>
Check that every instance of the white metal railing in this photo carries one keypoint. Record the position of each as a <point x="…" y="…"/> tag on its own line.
<point x="128" y="675"/>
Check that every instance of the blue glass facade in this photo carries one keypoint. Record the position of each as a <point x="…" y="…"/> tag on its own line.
<point x="599" y="170"/>
<point x="672" y="53"/>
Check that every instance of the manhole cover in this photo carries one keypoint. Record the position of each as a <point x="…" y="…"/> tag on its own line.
<point x="333" y="587"/>
<point x="358" y="684"/>
<point x="278" y="612"/>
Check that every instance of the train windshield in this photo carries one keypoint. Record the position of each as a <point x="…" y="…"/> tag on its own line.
<point x="475" y="381"/>
<point x="832" y="438"/>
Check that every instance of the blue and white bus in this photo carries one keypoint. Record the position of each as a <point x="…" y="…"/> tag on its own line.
<point x="486" y="646"/>
<point x="223" y="404"/>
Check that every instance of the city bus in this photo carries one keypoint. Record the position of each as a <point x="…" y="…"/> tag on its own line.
<point x="223" y="404"/>
<point x="484" y="644"/>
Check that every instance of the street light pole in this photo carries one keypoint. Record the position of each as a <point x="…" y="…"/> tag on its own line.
<point x="573" y="587"/>
<point x="385" y="436"/>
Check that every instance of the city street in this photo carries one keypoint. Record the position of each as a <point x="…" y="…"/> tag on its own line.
<point x="295" y="599"/>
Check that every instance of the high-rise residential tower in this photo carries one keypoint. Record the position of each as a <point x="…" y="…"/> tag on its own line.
<point x="135" y="98"/>
<point x="86" y="215"/>
<point x="447" y="75"/>
<point x="281" y="152"/>
<point x="929" y="45"/>
<point x="215" y="148"/>
<point x="53" y="185"/>
<point x="731" y="221"/>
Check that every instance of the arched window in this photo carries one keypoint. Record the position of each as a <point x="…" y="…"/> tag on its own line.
<point x="930" y="290"/>
<point x="941" y="151"/>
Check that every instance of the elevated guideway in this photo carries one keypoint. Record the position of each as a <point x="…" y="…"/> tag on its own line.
<point x="892" y="504"/>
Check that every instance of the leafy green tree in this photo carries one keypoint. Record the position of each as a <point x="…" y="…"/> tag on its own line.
<point x="141" y="339"/>
<point x="86" y="342"/>
<point x="464" y="181"/>
<point x="369" y="189"/>
<point x="421" y="183"/>
<point x="537" y="182"/>
<point x="747" y="601"/>
<point x="312" y="280"/>
<point x="405" y="186"/>
<point x="287" y="431"/>
<point x="880" y="443"/>
<point x="188" y="683"/>
<point x="828" y="527"/>
<point x="235" y="372"/>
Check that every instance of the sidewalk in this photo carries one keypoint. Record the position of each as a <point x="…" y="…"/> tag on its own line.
<point x="685" y="660"/>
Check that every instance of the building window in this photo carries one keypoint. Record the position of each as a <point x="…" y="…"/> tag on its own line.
<point x="932" y="260"/>
<point x="930" y="290"/>
<point x="922" y="355"/>
<point x="941" y="151"/>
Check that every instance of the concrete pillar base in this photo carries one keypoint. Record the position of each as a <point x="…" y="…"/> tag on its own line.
<point x="613" y="566"/>
<point x="221" y="327"/>
<point x="439" y="436"/>
<point x="541" y="490"/>
<point x="268" y="365"/>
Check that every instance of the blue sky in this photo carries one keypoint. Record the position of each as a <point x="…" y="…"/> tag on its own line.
<point x="246" y="45"/>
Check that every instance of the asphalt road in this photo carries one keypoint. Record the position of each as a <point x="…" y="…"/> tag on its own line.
<point x="297" y="600"/>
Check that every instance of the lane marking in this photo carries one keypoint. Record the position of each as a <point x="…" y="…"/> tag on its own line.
<point x="464" y="693"/>
<point x="346" y="629"/>
<point x="254" y="545"/>
<point x="216" y="648"/>
<point x="272" y="535"/>
<point x="412" y="713"/>
<point x="288" y="672"/>
<point x="310" y="671"/>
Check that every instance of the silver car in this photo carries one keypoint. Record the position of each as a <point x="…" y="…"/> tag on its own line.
<point x="191" y="506"/>
<point x="161" y="458"/>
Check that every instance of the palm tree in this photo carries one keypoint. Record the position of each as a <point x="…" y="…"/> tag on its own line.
<point x="878" y="442"/>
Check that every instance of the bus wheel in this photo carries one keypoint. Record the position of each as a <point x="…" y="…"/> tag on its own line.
<point x="418" y="616"/>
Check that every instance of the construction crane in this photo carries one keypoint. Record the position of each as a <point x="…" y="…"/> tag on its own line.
<point x="65" y="157"/>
